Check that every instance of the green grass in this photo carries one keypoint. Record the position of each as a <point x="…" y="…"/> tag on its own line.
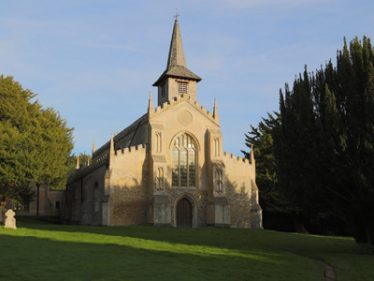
<point x="41" y="251"/>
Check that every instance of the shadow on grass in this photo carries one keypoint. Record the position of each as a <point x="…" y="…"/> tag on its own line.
<point x="34" y="258"/>
<point x="235" y="239"/>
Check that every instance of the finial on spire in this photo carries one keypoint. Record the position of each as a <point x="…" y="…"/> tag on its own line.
<point x="112" y="144"/>
<point x="215" y="110"/>
<point x="111" y="151"/>
<point x="93" y="147"/>
<point x="150" y="105"/>
<point x="252" y="154"/>
<point x="77" y="166"/>
<point x="176" y="14"/>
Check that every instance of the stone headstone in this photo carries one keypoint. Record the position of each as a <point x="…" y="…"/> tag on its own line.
<point x="10" y="221"/>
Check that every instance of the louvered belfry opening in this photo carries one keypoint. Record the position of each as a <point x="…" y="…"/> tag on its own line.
<point x="184" y="213"/>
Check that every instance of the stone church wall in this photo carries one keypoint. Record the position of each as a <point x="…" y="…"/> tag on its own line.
<point x="128" y="187"/>
<point x="241" y="192"/>
<point x="50" y="203"/>
<point x="84" y="198"/>
<point x="92" y="197"/>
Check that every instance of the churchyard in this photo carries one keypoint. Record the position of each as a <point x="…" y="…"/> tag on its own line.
<point x="44" y="251"/>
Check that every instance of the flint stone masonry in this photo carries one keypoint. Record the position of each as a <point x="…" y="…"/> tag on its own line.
<point x="171" y="154"/>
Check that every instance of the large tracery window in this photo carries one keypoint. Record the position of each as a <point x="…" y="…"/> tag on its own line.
<point x="184" y="162"/>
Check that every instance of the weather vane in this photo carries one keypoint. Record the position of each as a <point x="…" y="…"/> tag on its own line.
<point x="176" y="14"/>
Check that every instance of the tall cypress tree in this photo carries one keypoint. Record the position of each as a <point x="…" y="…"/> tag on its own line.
<point x="324" y="142"/>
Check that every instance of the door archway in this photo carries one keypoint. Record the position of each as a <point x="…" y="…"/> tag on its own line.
<point x="184" y="213"/>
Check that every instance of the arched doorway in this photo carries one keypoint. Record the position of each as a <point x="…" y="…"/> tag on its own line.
<point x="184" y="213"/>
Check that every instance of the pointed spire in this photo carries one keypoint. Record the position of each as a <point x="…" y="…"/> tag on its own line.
<point x="112" y="144"/>
<point x="252" y="154"/>
<point x="176" y="65"/>
<point x="150" y="105"/>
<point x="111" y="152"/>
<point x="77" y="166"/>
<point x="215" y="111"/>
<point x="93" y="147"/>
<point x="176" y="53"/>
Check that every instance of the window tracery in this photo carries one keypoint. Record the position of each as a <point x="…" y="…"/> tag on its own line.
<point x="184" y="162"/>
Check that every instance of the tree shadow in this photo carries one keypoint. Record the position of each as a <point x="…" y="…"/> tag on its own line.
<point x="241" y="240"/>
<point x="51" y="258"/>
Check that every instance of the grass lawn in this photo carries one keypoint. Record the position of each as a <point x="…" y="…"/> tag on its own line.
<point x="41" y="251"/>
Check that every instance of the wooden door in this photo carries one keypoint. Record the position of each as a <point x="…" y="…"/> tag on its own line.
<point x="184" y="213"/>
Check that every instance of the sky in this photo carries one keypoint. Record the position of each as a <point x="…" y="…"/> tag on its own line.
<point x="95" y="61"/>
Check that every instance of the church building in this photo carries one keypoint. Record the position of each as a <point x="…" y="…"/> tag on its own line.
<point x="168" y="167"/>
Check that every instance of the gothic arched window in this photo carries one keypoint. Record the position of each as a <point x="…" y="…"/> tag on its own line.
<point x="184" y="161"/>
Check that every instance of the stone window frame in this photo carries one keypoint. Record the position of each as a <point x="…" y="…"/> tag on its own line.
<point x="184" y="142"/>
<point x="217" y="148"/>
<point x="158" y="135"/>
<point x="160" y="179"/>
<point x="218" y="178"/>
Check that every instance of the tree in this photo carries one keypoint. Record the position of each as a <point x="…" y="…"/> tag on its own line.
<point x="272" y="200"/>
<point x="15" y="105"/>
<point x="81" y="159"/>
<point x="324" y="140"/>
<point x="35" y="143"/>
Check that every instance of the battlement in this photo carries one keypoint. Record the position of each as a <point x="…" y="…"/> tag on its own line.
<point x="178" y="99"/>
<point x="232" y="157"/>
<point x="135" y="148"/>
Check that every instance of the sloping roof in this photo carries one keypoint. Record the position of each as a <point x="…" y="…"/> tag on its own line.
<point x="135" y="134"/>
<point x="177" y="71"/>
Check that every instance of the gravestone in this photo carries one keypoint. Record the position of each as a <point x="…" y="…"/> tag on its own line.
<point x="10" y="221"/>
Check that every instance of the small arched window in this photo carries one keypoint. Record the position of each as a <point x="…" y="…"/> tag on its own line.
<point x="184" y="161"/>
<point x="219" y="180"/>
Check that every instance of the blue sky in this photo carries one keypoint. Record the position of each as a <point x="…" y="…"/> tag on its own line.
<point x="95" y="61"/>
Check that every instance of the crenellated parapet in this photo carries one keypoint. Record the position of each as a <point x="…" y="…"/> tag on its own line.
<point x="181" y="98"/>
<point x="103" y="159"/>
<point x="128" y="177"/>
<point x="131" y="149"/>
<point x="234" y="158"/>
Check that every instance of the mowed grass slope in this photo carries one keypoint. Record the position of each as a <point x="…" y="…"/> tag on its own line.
<point x="37" y="251"/>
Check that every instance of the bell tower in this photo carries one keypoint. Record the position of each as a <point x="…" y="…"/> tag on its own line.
<point x="177" y="79"/>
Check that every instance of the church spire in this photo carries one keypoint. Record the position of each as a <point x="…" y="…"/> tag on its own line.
<point x="176" y="65"/>
<point x="176" y="53"/>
